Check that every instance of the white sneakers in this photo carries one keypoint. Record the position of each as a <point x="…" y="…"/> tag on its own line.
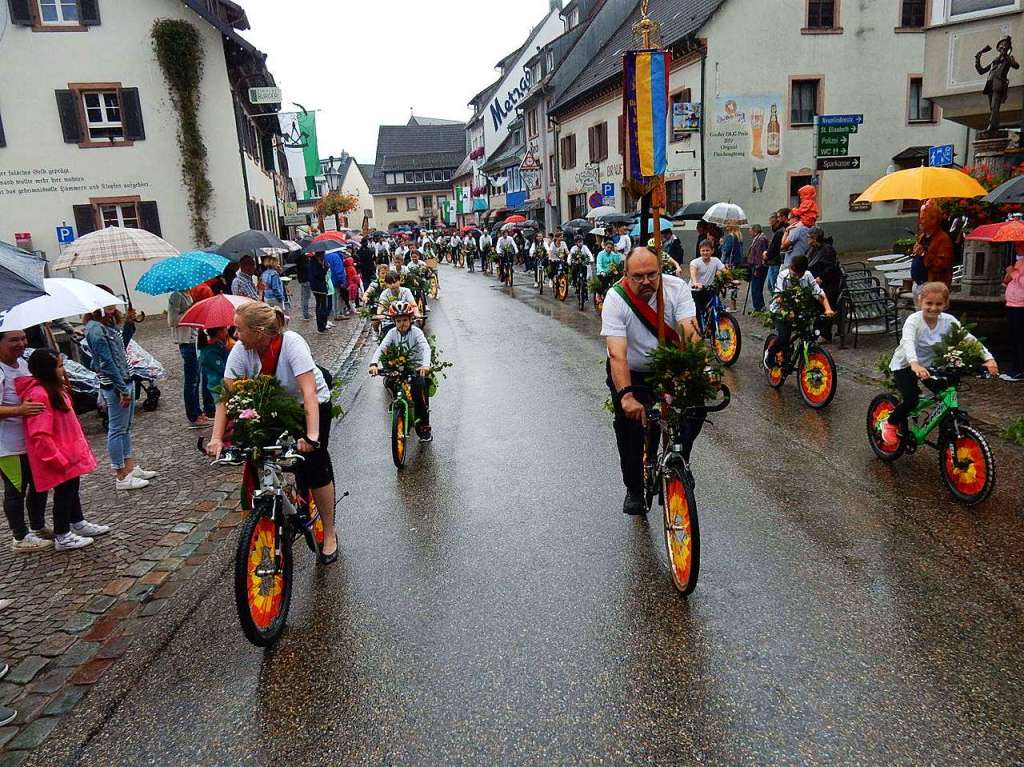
<point x="130" y="482"/>
<point x="141" y="473"/>
<point x="88" y="529"/>
<point x="30" y="542"/>
<point x="70" y="541"/>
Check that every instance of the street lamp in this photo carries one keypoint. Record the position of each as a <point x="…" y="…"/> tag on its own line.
<point x="333" y="175"/>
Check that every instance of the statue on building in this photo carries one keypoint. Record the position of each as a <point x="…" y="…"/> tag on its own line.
<point x="998" y="83"/>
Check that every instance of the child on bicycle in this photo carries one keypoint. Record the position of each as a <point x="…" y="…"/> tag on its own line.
<point x="404" y="332"/>
<point x="702" y="274"/>
<point x="795" y="274"/>
<point x="580" y="259"/>
<point x="922" y="330"/>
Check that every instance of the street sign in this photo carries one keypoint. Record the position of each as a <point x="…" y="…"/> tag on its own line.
<point x="836" y="129"/>
<point x="940" y="156"/>
<point x="838" y="163"/>
<point x="607" y="190"/>
<point x="65" y="234"/>
<point x="833" y="146"/>
<point x="529" y="163"/>
<point x="596" y="200"/>
<point x="295" y="219"/>
<point x="840" y="119"/>
<point x="264" y="95"/>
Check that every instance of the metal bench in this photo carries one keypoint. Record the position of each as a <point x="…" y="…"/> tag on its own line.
<point x="865" y="309"/>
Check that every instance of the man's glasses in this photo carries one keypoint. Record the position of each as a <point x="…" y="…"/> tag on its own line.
<point x="639" y="279"/>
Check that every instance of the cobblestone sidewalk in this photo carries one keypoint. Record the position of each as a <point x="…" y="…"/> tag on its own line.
<point x="67" y="617"/>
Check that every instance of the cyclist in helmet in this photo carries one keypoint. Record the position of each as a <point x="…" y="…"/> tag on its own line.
<point x="404" y="332"/>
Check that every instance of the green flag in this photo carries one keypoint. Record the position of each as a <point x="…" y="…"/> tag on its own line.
<point x="310" y="154"/>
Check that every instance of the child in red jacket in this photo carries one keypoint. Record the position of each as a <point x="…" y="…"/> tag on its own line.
<point x="353" y="281"/>
<point x="58" y="453"/>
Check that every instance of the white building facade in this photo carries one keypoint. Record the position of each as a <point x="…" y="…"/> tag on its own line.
<point x="90" y="135"/>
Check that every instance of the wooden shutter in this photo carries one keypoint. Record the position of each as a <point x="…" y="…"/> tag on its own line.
<point x="592" y="143"/>
<point x="267" y="150"/>
<point x="602" y="133"/>
<point x="89" y="12"/>
<point x="149" y="218"/>
<point x="85" y="219"/>
<point x="70" y="123"/>
<point x="622" y="134"/>
<point x="131" y="115"/>
<point x="21" y="13"/>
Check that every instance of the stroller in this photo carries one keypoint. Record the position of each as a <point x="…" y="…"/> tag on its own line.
<point x="146" y="370"/>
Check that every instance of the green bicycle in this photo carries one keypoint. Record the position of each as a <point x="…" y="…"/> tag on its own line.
<point x="402" y="412"/>
<point x="965" y="458"/>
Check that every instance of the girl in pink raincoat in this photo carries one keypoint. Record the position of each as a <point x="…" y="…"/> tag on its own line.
<point x="58" y="453"/>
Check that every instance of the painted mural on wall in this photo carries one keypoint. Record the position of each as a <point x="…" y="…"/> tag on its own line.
<point x="746" y="127"/>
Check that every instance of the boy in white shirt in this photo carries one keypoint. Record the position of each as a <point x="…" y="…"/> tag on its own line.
<point x="404" y="332"/>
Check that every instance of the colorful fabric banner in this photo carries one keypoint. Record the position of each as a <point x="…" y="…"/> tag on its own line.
<point x="645" y="106"/>
<point x="301" y="151"/>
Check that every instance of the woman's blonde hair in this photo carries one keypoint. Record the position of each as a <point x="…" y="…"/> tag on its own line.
<point x="262" y="317"/>
<point x="934" y="287"/>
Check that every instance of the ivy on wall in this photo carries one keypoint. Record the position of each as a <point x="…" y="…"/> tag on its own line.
<point x="179" y="51"/>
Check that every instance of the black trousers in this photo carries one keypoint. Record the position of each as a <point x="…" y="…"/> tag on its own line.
<point x="1015" y="319"/>
<point x="323" y="310"/>
<point x="700" y="299"/>
<point x="67" y="506"/>
<point x="910" y="395"/>
<point x="629" y="434"/>
<point x="16" y="500"/>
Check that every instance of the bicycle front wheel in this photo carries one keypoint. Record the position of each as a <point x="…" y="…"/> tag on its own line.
<point x="561" y="287"/>
<point x="263" y="579"/>
<point x="817" y="378"/>
<point x="435" y="286"/>
<point x="878" y="413"/>
<point x="967" y="466"/>
<point x="682" y="532"/>
<point x="727" y="340"/>
<point x="399" y="435"/>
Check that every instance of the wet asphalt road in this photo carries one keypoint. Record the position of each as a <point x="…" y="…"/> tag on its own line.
<point x="492" y="605"/>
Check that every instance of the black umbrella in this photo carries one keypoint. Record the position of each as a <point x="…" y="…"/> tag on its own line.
<point x="694" y="211"/>
<point x="247" y="242"/>
<point x="1008" y="193"/>
<point x="21" y="276"/>
<point x="577" y="225"/>
<point x="617" y="218"/>
<point x="322" y="246"/>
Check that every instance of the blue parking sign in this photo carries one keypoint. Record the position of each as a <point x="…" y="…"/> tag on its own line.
<point x="607" y="190"/>
<point x="65" y="234"/>
<point x="940" y="156"/>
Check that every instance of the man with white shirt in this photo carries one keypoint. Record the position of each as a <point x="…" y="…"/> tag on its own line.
<point x="623" y="242"/>
<point x="629" y="326"/>
<point x="381" y="251"/>
<point x="486" y="251"/>
<point x="507" y="251"/>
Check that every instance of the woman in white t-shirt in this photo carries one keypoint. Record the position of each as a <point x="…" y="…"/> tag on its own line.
<point x="19" y="490"/>
<point x="261" y="333"/>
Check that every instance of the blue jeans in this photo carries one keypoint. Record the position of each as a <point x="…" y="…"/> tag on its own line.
<point x="119" y="424"/>
<point x="773" y="277"/>
<point x="306" y="294"/>
<point x="194" y="384"/>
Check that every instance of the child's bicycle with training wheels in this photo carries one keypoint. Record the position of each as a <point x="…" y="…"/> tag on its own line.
<point x="965" y="458"/>
<point x="278" y="513"/>
<point x="402" y="412"/>
<point x="720" y="329"/>
<point x="814" y="366"/>
<point x="667" y="475"/>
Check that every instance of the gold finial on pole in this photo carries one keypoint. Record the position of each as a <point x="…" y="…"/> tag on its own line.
<point x="647" y="27"/>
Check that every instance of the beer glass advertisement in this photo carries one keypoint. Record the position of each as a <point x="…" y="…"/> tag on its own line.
<point x="685" y="119"/>
<point x="747" y="127"/>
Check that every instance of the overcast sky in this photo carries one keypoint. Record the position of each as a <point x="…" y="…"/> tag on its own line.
<point x="364" y="63"/>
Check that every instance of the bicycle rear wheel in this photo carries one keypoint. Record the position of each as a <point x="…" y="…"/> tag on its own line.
<point x="774" y="373"/>
<point x="817" y="378"/>
<point x="561" y="287"/>
<point x="263" y="579"/>
<point x="435" y="286"/>
<point x="581" y="293"/>
<point x="727" y="340"/>
<point x="399" y="435"/>
<point x="682" y="532"/>
<point x="967" y="466"/>
<point x="878" y="413"/>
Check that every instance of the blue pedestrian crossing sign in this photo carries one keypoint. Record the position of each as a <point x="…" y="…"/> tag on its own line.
<point x="940" y="156"/>
<point x="65" y="234"/>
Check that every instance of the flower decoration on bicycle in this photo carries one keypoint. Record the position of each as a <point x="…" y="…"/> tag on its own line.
<point x="261" y="411"/>
<point x="684" y="376"/>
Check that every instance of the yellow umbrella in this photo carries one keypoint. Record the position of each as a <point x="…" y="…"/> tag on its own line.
<point x="923" y="184"/>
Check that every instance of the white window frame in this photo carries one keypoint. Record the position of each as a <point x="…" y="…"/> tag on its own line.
<point x="399" y="178"/>
<point x="106" y="123"/>
<point x="59" y="6"/>
<point x="949" y="18"/>
<point x="118" y="209"/>
<point x="389" y="178"/>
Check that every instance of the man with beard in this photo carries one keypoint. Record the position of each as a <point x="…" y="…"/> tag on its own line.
<point x="629" y="326"/>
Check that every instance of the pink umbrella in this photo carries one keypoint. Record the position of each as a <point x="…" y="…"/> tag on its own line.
<point x="216" y="312"/>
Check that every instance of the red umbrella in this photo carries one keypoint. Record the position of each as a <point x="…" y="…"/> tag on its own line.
<point x="216" y="312"/>
<point x="1004" y="231"/>
<point x="467" y="229"/>
<point x="515" y="219"/>
<point x="336" y="236"/>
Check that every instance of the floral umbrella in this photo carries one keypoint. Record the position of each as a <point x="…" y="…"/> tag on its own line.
<point x="1005" y="231"/>
<point x="515" y="219"/>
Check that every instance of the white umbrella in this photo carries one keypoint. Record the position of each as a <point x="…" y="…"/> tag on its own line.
<point x="115" y="244"/>
<point x="598" y="231"/>
<point x="603" y="210"/>
<point x="726" y="214"/>
<point x="65" y="297"/>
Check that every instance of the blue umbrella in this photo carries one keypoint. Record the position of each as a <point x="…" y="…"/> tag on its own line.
<point x="665" y="224"/>
<point x="181" y="272"/>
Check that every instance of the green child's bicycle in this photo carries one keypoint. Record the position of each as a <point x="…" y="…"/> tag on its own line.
<point x="965" y="458"/>
<point x="402" y="412"/>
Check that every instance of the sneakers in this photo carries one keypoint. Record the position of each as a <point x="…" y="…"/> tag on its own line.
<point x="131" y="482"/>
<point x="89" y="529"/>
<point x="425" y="434"/>
<point x="7" y="715"/>
<point x="329" y="325"/>
<point x="30" y="542"/>
<point x="141" y="473"/>
<point x="765" y="358"/>
<point x="70" y="541"/>
<point x="1019" y="378"/>
<point x="890" y="434"/>
<point x="43" y="532"/>
<point x="633" y="504"/>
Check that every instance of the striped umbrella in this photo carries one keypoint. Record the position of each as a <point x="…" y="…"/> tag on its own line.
<point x="181" y="273"/>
